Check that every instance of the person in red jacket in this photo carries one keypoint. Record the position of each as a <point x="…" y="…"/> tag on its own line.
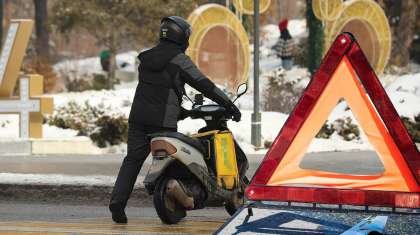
<point x="284" y="46"/>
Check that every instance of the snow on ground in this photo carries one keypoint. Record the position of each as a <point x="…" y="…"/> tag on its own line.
<point x="404" y="92"/>
<point x="79" y="68"/>
<point x="268" y="60"/>
<point x="60" y="179"/>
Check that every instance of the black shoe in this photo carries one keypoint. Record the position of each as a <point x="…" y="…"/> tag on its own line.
<point x="118" y="214"/>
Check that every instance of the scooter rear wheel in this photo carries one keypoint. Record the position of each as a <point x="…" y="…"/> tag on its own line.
<point x="169" y="210"/>
<point x="239" y="200"/>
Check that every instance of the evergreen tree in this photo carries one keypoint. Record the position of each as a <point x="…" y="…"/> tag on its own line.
<point x="245" y="19"/>
<point x="315" y="39"/>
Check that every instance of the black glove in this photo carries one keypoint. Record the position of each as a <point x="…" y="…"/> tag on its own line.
<point x="233" y="111"/>
<point x="184" y="114"/>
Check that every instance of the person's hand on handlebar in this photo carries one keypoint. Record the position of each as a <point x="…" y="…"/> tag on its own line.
<point x="233" y="111"/>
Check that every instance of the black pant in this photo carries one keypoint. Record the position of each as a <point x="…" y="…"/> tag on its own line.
<point x="138" y="148"/>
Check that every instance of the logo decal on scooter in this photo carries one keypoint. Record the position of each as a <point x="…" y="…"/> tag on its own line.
<point x="226" y="154"/>
<point x="185" y="150"/>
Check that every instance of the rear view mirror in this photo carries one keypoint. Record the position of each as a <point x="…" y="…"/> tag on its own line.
<point x="198" y="99"/>
<point x="241" y="89"/>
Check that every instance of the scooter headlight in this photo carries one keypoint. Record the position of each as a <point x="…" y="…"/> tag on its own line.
<point x="162" y="148"/>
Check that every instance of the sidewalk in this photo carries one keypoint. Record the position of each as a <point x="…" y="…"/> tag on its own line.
<point x="74" y="179"/>
<point x="90" y="178"/>
<point x="71" y="178"/>
<point x="74" y="169"/>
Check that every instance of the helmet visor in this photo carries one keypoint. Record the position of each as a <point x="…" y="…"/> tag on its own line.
<point x="189" y="32"/>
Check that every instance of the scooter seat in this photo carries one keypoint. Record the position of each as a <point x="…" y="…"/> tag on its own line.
<point x="188" y="140"/>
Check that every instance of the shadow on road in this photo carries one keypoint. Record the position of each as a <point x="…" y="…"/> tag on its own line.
<point x="275" y="224"/>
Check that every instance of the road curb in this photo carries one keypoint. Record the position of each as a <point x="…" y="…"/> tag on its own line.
<point x="69" y="194"/>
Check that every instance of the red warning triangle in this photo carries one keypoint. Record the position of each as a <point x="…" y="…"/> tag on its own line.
<point x="398" y="186"/>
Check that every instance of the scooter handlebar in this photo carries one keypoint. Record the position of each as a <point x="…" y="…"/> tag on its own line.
<point x="209" y="112"/>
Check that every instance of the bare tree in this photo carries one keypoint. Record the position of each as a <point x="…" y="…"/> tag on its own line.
<point x="115" y="22"/>
<point x="109" y="21"/>
<point x="405" y="31"/>
<point x="42" y="34"/>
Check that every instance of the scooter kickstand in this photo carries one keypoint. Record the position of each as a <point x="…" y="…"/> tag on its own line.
<point x="250" y="213"/>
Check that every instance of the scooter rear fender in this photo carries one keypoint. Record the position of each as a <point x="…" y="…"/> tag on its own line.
<point x="185" y="153"/>
<point x="156" y="169"/>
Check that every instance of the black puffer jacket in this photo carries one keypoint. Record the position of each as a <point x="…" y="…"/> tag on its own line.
<point x="155" y="102"/>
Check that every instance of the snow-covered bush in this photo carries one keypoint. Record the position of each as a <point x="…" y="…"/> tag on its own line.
<point x="111" y="129"/>
<point x="74" y="79"/>
<point x="267" y="143"/>
<point x="73" y="116"/>
<point x="281" y="95"/>
<point x="326" y="131"/>
<point x="99" y="82"/>
<point x="102" y="127"/>
<point x="392" y="69"/>
<point x="38" y="65"/>
<point x="77" y="79"/>
<point x="300" y="52"/>
<point x="127" y="102"/>
<point x="346" y="129"/>
<point x="413" y="128"/>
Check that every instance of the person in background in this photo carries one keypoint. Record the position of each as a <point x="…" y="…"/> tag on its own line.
<point x="284" y="46"/>
<point x="105" y="60"/>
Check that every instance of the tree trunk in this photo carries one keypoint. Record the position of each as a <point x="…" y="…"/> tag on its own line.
<point x="280" y="10"/>
<point x="1" y="23"/>
<point x="112" y="54"/>
<point x="405" y="32"/>
<point x="42" y="36"/>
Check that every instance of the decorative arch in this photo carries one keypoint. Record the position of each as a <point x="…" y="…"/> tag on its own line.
<point x="247" y="6"/>
<point x="220" y="46"/>
<point x="365" y="19"/>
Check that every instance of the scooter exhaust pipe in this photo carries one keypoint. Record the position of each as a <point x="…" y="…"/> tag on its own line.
<point x="180" y="195"/>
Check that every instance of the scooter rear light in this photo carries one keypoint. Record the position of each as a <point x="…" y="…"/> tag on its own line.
<point x="162" y="148"/>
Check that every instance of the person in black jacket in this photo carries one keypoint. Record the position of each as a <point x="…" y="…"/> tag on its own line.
<point x="163" y="72"/>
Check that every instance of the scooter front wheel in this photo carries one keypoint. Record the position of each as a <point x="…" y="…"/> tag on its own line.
<point x="169" y="210"/>
<point x="239" y="200"/>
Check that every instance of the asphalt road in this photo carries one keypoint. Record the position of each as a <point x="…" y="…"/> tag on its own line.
<point x="356" y="163"/>
<point x="20" y="218"/>
<point x="60" y="218"/>
<point x="30" y="218"/>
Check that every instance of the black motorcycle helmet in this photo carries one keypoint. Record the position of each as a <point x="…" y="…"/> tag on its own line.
<point x="175" y="29"/>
